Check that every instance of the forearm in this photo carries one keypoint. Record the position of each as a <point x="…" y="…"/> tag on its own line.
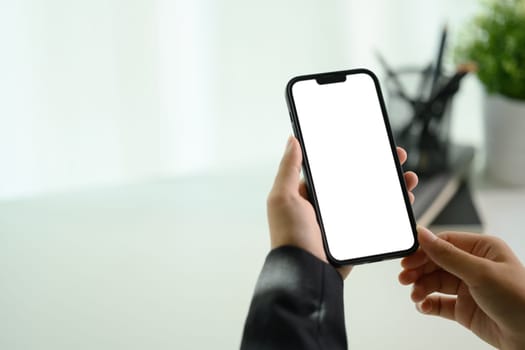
<point x="297" y="304"/>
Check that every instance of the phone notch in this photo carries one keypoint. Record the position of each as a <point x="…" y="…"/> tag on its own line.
<point x="339" y="77"/>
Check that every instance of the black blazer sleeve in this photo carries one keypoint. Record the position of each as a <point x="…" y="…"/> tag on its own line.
<point x="297" y="304"/>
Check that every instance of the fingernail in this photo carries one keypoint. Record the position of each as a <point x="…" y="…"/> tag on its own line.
<point x="289" y="144"/>
<point x="425" y="234"/>
<point x="418" y="307"/>
<point x="424" y="307"/>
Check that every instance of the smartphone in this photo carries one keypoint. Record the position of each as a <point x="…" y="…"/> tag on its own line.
<point x="354" y="178"/>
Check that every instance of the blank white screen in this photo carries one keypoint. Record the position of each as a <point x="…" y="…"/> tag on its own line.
<point x="353" y="171"/>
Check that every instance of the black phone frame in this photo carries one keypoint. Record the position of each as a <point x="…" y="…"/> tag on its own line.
<point x="335" y="77"/>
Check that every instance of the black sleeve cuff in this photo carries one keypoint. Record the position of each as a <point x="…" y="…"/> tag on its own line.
<point x="297" y="304"/>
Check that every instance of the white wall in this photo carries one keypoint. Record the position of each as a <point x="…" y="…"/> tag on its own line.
<point x="79" y="102"/>
<point x="105" y="92"/>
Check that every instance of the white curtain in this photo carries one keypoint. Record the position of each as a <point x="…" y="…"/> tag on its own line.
<point x="107" y="92"/>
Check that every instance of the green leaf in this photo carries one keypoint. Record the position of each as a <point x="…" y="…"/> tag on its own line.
<point x="495" y="40"/>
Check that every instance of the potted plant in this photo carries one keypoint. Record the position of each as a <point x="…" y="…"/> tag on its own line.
<point x="495" y="41"/>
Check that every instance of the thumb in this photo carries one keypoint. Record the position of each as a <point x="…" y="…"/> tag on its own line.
<point x="290" y="167"/>
<point x="449" y="257"/>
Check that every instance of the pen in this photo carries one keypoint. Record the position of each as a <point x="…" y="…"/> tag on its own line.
<point x="423" y="83"/>
<point x="439" y="60"/>
<point x="446" y="91"/>
<point x="390" y="72"/>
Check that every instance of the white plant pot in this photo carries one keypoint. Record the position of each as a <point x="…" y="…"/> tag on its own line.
<point x="505" y="139"/>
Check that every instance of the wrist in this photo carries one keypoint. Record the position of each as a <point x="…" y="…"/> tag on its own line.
<point x="341" y="271"/>
<point x="312" y="249"/>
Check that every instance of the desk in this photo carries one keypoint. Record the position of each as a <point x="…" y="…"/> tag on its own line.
<point x="503" y="211"/>
<point x="172" y="264"/>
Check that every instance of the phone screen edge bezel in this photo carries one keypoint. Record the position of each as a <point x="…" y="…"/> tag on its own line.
<point x="309" y="179"/>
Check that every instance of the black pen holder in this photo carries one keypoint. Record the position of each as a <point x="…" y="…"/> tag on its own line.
<point x="420" y="124"/>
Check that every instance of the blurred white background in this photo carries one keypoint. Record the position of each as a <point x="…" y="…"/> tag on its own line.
<point x="108" y="92"/>
<point x="138" y="140"/>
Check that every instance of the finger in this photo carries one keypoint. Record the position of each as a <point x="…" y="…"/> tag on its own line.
<point x="415" y="260"/>
<point x="411" y="197"/>
<point x="468" y="242"/>
<point x="415" y="266"/>
<point x="412" y="267"/>
<point x="411" y="180"/>
<point x="437" y="281"/>
<point x="290" y="167"/>
<point x="438" y="305"/>
<point x="451" y="258"/>
<point x="484" y="246"/>
<point x="303" y="190"/>
<point x="402" y="155"/>
<point x="409" y="276"/>
<point x="344" y="271"/>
